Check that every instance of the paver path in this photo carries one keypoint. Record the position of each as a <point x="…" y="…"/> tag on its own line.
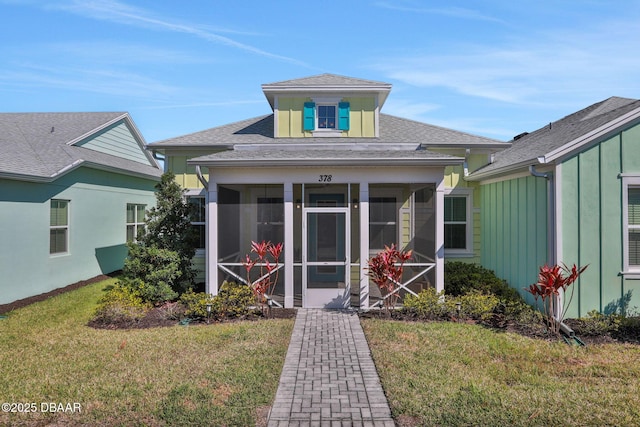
<point x="329" y="378"/>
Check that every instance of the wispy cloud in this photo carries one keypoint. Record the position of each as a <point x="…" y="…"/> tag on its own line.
<point x="532" y="70"/>
<point x="122" y="13"/>
<point x="452" y="12"/>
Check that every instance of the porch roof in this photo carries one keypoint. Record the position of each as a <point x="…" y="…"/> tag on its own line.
<point x="305" y="156"/>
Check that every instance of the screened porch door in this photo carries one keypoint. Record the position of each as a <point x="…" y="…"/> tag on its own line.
<point x="325" y="255"/>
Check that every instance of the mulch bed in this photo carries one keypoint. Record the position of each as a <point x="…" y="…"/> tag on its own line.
<point x="159" y="317"/>
<point x="6" y="308"/>
<point x="500" y="323"/>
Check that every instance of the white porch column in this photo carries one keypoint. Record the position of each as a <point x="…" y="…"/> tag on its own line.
<point x="211" y="286"/>
<point x="439" y="240"/>
<point x="364" y="244"/>
<point x="288" y="245"/>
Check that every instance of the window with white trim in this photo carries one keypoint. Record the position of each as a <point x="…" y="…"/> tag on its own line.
<point x="198" y="212"/>
<point x="631" y="224"/>
<point x="326" y="115"/>
<point x="135" y="220"/>
<point x="59" y="227"/>
<point x="458" y="229"/>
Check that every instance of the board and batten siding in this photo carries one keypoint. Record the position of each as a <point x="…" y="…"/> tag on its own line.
<point x="116" y="140"/>
<point x="514" y="224"/>
<point x="590" y="223"/>
<point x="290" y="117"/>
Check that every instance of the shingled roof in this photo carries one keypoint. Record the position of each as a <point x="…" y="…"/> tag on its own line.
<point x="39" y="146"/>
<point x="565" y="136"/>
<point x="393" y="130"/>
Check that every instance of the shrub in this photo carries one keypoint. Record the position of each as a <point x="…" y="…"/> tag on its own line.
<point x="152" y="271"/>
<point x="120" y="304"/>
<point x="596" y="323"/>
<point x="428" y="304"/>
<point x="233" y="300"/>
<point x="461" y="278"/>
<point x="476" y="305"/>
<point x="195" y="303"/>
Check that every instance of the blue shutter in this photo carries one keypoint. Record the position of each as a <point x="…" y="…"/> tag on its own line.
<point x="309" y="116"/>
<point x="343" y="116"/>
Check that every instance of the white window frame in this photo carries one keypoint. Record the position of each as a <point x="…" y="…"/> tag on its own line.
<point x="60" y="227"/>
<point x="466" y="193"/>
<point x="632" y="272"/>
<point x="326" y="132"/>
<point x="200" y="194"/>
<point x="137" y="222"/>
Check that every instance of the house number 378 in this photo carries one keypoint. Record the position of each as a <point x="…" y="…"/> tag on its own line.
<point x="324" y="178"/>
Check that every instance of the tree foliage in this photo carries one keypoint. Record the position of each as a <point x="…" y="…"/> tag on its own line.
<point x="168" y="227"/>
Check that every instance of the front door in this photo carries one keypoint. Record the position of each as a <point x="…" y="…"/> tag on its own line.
<point x="325" y="257"/>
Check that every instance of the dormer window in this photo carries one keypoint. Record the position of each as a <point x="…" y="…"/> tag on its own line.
<point x="325" y="115"/>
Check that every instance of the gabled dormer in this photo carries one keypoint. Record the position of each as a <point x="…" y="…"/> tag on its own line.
<point x="326" y="105"/>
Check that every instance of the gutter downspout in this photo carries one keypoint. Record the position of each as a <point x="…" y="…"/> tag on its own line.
<point x="201" y="178"/>
<point x="465" y="164"/>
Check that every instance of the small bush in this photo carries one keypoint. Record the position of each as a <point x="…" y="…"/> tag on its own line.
<point x="120" y="304"/>
<point x="154" y="293"/>
<point x="195" y="304"/>
<point x="428" y="304"/>
<point x="157" y="269"/>
<point x="233" y="300"/>
<point x="475" y="305"/>
<point x="461" y="278"/>
<point x="596" y="323"/>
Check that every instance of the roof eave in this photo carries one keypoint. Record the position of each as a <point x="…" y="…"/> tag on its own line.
<point x="229" y="163"/>
<point x="510" y="169"/>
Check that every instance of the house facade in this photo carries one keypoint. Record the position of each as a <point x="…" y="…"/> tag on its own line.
<point x="335" y="180"/>
<point x="74" y="188"/>
<point x="569" y="193"/>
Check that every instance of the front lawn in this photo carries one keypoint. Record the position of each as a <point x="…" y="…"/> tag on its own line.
<point x="455" y="374"/>
<point x="221" y="374"/>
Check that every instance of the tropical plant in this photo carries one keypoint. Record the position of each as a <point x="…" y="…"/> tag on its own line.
<point x="385" y="269"/>
<point x="267" y="259"/>
<point x="552" y="282"/>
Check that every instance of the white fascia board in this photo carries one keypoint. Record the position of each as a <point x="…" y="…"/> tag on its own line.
<point x="596" y="134"/>
<point x="232" y="163"/>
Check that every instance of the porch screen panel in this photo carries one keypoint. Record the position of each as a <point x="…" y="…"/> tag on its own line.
<point x="424" y="222"/>
<point x="634" y="226"/>
<point x="270" y="214"/>
<point x="229" y="236"/>
<point x="383" y="222"/>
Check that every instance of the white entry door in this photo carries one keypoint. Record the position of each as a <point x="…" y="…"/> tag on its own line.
<point x="326" y="257"/>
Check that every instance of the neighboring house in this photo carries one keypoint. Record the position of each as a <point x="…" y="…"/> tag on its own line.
<point x="569" y="193"/>
<point x="73" y="190"/>
<point x="335" y="180"/>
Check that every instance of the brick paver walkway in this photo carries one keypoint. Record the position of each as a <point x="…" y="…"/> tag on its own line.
<point x="329" y="378"/>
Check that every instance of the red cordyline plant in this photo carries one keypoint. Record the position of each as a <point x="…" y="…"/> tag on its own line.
<point x="385" y="269"/>
<point x="268" y="260"/>
<point x="551" y="281"/>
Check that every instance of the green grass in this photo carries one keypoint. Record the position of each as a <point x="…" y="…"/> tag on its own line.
<point x="450" y="374"/>
<point x="184" y="375"/>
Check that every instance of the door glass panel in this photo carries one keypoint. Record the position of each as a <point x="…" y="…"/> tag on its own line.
<point x="326" y="240"/>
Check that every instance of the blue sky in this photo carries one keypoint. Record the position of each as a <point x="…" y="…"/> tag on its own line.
<point x="492" y="68"/>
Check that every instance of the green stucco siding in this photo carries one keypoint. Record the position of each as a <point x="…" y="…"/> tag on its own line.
<point x="591" y="222"/>
<point x="514" y="229"/>
<point x="97" y="229"/>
